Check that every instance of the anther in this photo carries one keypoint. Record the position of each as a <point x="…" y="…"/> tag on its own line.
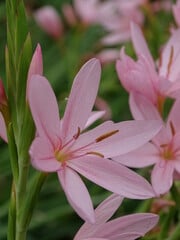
<point x="106" y="135"/>
<point x="172" y="128"/>
<point x="170" y="59"/>
<point x="96" y="153"/>
<point x="77" y="134"/>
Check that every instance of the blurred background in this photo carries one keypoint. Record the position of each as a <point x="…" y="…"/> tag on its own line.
<point x="70" y="33"/>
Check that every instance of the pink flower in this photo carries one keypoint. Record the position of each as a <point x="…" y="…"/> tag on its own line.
<point x="176" y="12"/>
<point x="141" y="75"/>
<point x="87" y="10"/>
<point x="115" y="16"/>
<point x="49" y="20"/>
<point x="164" y="150"/>
<point x="123" y="228"/>
<point x="62" y="147"/>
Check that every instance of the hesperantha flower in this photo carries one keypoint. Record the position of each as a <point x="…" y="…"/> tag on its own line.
<point x="63" y="147"/>
<point x="142" y="76"/>
<point x="128" y="227"/>
<point x="163" y="151"/>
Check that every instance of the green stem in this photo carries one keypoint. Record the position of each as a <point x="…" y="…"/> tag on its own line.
<point x="29" y="205"/>
<point x="166" y="223"/>
<point x="176" y="234"/>
<point x="12" y="216"/>
<point x="13" y="154"/>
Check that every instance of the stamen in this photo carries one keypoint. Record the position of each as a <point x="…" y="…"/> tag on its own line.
<point x="96" y="153"/>
<point x="106" y="135"/>
<point x="164" y="145"/>
<point x="172" y="128"/>
<point x="170" y="59"/>
<point x="77" y="134"/>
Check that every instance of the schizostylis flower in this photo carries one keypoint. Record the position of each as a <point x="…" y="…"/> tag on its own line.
<point x="63" y="147"/>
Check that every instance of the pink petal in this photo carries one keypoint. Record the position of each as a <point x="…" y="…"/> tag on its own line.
<point x="95" y="115"/>
<point x="102" y="213"/>
<point x="115" y="38"/>
<point x="126" y="136"/>
<point x="142" y="108"/>
<point x="137" y="76"/>
<point x="77" y="194"/>
<point x="82" y="98"/>
<point x="36" y="65"/>
<point x="162" y="176"/>
<point x="139" y="43"/>
<point x="142" y="157"/>
<point x="44" y="108"/>
<point x="3" y="133"/>
<point x="176" y="12"/>
<point x="113" y="177"/>
<point x="131" y="135"/>
<point x="135" y="223"/>
<point x="42" y="156"/>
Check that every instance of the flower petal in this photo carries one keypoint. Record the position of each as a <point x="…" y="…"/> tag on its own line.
<point x="82" y="98"/>
<point x="42" y="157"/>
<point x="113" y="177"/>
<point x="95" y="115"/>
<point x="77" y="194"/>
<point x="139" y="43"/>
<point x="130" y="224"/>
<point x="44" y="108"/>
<point x="142" y="108"/>
<point x="162" y="176"/>
<point x="103" y="212"/>
<point x="3" y="133"/>
<point x="142" y="157"/>
<point x="130" y="136"/>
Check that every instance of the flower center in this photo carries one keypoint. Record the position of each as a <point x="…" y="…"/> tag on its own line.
<point x="65" y="152"/>
<point x="167" y="153"/>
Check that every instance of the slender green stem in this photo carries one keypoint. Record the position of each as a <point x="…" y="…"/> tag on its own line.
<point x="176" y="234"/>
<point x="12" y="215"/>
<point x="13" y="154"/>
<point x="29" y="205"/>
<point x="166" y="223"/>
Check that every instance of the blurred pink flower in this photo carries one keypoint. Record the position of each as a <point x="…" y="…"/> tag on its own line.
<point x="108" y="55"/>
<point x="61" y="147"/>
<point x="115" y="17"/>
<point x="123" y="228"/>
<point x="49" y="20"/>
<point x="69" y="14"/>
<point x="176" y="12"/>
<point x="164" y="149"/>
<point x="141" y="76"/>
<point x="87" y="10"/>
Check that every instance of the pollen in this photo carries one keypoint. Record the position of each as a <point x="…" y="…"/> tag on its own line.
<point x="167" y="153"/>
<point x="60" y="156"/>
